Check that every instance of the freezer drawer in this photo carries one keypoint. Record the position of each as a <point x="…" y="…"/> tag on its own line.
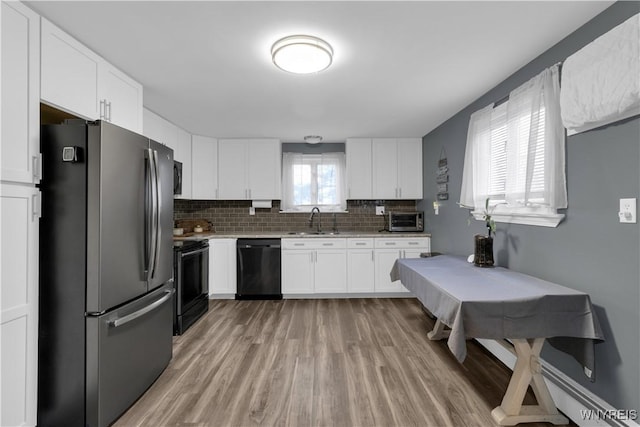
<point x="127" y="349"/>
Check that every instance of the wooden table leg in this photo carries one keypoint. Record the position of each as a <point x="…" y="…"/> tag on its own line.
<point x="438" y="332"/>
<point x="527" y="372"/>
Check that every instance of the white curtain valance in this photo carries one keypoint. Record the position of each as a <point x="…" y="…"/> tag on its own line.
<point x="601" y="81"/>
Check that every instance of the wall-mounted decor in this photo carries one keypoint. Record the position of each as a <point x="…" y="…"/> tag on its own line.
<point x="442" y="177"/>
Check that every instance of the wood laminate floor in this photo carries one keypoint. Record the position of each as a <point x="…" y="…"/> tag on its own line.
<point x="326" y="362"/>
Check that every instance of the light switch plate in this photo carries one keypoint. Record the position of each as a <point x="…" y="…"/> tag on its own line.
<point x="627" y="212"/>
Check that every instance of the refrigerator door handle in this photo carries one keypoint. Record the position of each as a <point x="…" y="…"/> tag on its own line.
<point x="147" y="216"/>
<point x="133" y="316"/>
<point x="156" y="252"/>
<point x="154" y="207"/>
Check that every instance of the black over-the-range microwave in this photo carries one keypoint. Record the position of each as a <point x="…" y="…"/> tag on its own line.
<point x="177" y="178"/>
<point x="406" y="221"/>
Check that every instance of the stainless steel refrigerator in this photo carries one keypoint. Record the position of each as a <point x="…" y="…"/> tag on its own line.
<point x="106" y="271"/>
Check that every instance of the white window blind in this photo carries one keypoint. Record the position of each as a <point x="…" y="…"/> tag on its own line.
<point x="498" y="157"/>
<point x="515" y="153"/>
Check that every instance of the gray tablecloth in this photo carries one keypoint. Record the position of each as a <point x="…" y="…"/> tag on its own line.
<point x="498" y="303"/>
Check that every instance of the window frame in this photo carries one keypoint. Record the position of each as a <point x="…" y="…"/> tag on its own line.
<point x="535" y="197"/>
<point x="501" y="212"/>
<point x="316" y="160"/>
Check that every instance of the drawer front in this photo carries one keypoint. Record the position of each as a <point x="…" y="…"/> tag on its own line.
<point x="359" y="243"/>
<point x="388" y="243"/>
<point x="295" y="244"/>
<point x="402" y="243"/>
<point x="314" y="243"/>
<point x="422" y="243"/>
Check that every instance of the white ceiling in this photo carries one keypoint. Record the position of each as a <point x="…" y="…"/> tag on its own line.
<point x="400" y="68"/>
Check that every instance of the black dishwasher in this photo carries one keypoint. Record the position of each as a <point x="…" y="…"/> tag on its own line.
<point x="259" y="269"/>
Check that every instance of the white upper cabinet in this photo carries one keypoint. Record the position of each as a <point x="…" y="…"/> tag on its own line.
<point x="20" y="94"/>
<point x="160" y="130"/>
<point x="397" y="168"/>
<point x="179" y="140"/>
<point x="120" y="98"/>
<point x="183" y="155"/>
<point x="69" y="73"/>
<point x="77" y="80"/>
<point x="359" y="185"/>
<point x="410" y="178"/>
<point x="265" y="168"/>
<point x="232" y="169"/>
<point x="385" y="168"/>
<point x="249" y="169"/>
<point x="204" y="168"/>
<point x="153" y="125"/>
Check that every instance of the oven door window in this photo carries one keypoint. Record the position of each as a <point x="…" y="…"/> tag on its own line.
<point x="194" y="280"/>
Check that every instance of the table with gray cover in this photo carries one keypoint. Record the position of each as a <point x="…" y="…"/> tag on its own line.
<point x="497" y="303"/>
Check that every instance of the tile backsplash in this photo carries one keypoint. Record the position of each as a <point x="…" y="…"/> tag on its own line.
<point x="232" y="216"/>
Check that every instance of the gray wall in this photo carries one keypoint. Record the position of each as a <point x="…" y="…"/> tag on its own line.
<point x="304" y="148"/>
<point x="590" y="250"/>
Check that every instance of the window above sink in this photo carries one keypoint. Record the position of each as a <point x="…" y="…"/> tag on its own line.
<point x="310" y="180"/>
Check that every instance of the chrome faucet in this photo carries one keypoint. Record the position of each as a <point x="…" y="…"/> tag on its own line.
<point x="313" y="213"/>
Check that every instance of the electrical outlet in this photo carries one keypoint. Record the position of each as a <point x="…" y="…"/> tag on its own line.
<point x="379" y="210"/>
<point x="252" y="210"/>
<point x="627" y="211"/>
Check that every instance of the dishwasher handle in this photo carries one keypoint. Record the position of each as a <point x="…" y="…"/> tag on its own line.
<point x="247" y="246"/>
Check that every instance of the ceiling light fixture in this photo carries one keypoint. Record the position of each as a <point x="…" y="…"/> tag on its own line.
<point x="312" y="139"/>
<point x="302" y="54"/>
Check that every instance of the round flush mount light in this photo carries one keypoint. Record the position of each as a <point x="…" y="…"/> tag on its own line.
<point x="313" y="139"/>
<point x="302" y="54"/>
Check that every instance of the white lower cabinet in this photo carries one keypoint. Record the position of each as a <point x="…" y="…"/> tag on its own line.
<point x="360" y="265"/>
<point x="385" y="258"/>
<point x="345" y="265"/>
<point x="387" y="251"/>
<point x="222" y="267"/>
<point x="330" y="271"/>
<point x="314" y="265"/>
<point x="19" y="213"/>
<point x="297" y="271"/>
